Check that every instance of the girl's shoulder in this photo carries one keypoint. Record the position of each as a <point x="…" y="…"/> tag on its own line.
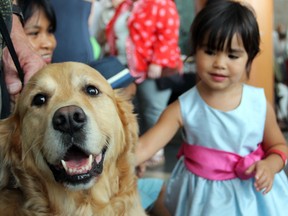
<point x="252" y="88"/>
<point x="254" y="97"/>
<point x="188" y="98"/>
<point x="250" y="95"/>
<point x="190" y="92"/>
<point x="253" y="91"/>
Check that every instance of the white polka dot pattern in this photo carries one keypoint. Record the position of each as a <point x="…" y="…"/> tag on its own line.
<point x="154" y="34"/>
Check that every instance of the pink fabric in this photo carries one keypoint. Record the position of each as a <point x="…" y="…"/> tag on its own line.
<point x="215" y="164"/>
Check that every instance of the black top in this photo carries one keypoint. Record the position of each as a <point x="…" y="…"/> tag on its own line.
<point x="72" y="32"/>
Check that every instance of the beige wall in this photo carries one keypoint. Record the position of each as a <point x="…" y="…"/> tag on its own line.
<point x="262" y="68"/>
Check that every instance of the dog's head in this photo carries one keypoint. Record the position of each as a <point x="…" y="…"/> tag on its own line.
<point x="68" y="125"/>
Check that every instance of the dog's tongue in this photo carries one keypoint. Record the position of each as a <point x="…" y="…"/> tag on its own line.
<point x="76" y="159"/>
<point x="77" y="162"/>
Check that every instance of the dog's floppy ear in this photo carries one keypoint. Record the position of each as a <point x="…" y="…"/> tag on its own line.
<point x="10" y="148"/>
<point x="128" y="118"/>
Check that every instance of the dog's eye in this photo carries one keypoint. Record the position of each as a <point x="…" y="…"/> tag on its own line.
<point x="92" y="90"/>
<point x="39" y="100"/>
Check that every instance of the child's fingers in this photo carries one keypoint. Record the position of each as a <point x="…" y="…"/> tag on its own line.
<point x="265" y="188"/>
<point x="250" y="170"/>
<point x="263" y="183"/>
<point x="268" y="189"/>
<point x="260" y="176"/>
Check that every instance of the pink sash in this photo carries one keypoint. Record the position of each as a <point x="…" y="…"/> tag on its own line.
<point x="215" y="164"/>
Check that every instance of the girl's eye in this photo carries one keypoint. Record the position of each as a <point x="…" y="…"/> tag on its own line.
<point x="91" y="90"/>
<point x="231" y="56"/>
<point x="210" y="52"/>
<point x="39" y="100"/>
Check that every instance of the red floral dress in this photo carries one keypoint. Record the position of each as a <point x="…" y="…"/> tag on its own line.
<point x="153" y="37"/>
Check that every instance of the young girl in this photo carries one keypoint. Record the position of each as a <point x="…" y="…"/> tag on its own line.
<point x="233" y="153"/>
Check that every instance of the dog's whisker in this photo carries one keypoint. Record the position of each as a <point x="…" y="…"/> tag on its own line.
<point x="34" y="144"/>
<point x="107" y="141"/>
<point x="39" y="155"/>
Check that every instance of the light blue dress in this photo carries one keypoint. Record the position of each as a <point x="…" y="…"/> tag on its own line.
<point x="238" y="131"/>
<point x="149" y="190"/>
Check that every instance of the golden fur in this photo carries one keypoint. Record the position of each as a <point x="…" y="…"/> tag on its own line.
<point x="62" y="109"/>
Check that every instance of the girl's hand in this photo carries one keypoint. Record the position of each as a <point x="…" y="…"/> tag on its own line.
<point x="140" y="170"/>
<point x="264" y="176"/>
<point x="154" y="71"/>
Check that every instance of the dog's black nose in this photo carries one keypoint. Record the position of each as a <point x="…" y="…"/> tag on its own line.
<point x="69" y="119"/>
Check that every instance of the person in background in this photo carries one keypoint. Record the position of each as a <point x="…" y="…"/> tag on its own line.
<point x="72" y="33"/>
<point x="233" y="152"/>
<point x="40" y="26"/>
<point x="281" y="75"/>
<point x="73" y="36"/>
<point x="152" y="46"/>
<point x="103" y="12"/>
<point x="6" y="15"/>
<point x="187" y="11"/>
<point x="117" y="31"/>
<point x="29" y="60"/>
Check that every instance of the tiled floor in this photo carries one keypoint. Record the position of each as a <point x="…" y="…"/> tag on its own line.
<point x="171" y="150"/>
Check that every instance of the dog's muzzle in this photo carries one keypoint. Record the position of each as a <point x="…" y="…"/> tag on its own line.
<point x="78" y="166"/>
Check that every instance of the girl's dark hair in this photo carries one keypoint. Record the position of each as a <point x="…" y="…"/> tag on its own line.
<point x="29" y="7"/>
<point x="217" y="23"/>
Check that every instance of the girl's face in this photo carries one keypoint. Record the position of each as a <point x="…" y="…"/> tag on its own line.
<point x="222" y="70"/>
<point x="40" y="35"/>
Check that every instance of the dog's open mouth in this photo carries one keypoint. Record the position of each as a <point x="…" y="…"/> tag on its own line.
<point x="78" y="167"/>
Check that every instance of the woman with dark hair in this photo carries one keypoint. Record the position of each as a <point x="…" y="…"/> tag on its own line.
<point x="30" y="62"/>
<point x="39" y="26"/>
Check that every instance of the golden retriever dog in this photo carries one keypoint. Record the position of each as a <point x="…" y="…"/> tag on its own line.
<point x="68" y="148"/>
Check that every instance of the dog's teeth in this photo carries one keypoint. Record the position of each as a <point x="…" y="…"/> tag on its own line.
<point x="70" y="171"/>
<point x="87" y="168"/>
<point x="98" y="158"/>
<point x="64" y="164"/>
<point x="90" y="161"/>
<point x="74" y="170"/>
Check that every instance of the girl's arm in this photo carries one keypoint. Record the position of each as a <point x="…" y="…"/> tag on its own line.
<point x="160" y="134"/>
<point x="274" y="140"/>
